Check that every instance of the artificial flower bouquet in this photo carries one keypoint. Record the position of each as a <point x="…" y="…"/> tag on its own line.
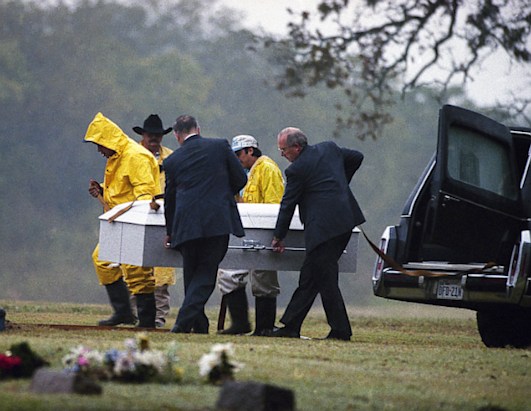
<point x="20" y="361"/>
<point x="136" y="363"/>
<point x="217" y="365"/>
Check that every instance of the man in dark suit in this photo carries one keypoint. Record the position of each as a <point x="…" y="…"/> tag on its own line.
<point x="202" y="178"/>
<point x="318" y="182"/>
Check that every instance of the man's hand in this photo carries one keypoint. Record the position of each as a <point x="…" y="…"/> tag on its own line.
<point x="95" y="188"/>
<point x="278" y="245"/>
<point x="167" y="241"/>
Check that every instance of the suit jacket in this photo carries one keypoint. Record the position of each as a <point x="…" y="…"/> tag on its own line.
<point x="202" y="178"/>
<point x="318" y="182"/>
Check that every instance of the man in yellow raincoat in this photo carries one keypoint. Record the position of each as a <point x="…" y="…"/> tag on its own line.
<point x="131" y="173"/>
<point x="152" y="134"/>
<point x="264" y="185"/>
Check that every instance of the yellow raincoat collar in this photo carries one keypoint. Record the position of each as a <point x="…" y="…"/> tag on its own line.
<point x="104" y="132"/>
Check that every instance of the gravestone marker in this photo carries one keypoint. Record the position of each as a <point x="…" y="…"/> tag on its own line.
<point x="48" y="381"/>
<point x="254" y="396"/>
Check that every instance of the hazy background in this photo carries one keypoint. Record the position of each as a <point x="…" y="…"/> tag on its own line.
<point x="489" y="82"/>
<point x="61" y="64"/>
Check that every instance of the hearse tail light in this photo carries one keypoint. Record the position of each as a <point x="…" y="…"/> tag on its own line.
<point x="511" y="278"/>
<point x="379" y="265"/>
<point x="519" y="259"/>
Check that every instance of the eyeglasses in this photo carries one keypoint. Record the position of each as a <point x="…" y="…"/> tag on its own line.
<point x="283" y="149"/>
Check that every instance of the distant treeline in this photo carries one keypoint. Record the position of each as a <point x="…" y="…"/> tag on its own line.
<point x="60" y="65"/>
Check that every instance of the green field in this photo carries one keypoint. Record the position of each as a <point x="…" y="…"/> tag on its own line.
<point x="401" y="357"/>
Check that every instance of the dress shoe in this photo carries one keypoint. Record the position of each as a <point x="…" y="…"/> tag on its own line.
<point x="199" y="330"/>
<point x="179" y="330"/>
<point x="117" y="320"/>
<point x="284" y="332"/>
<point x="236" y="329"/>
<point x="337" y="335"/>
<point x="264" y="332"/>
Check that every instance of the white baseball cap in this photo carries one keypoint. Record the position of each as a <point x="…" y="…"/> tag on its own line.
<point x="243" y="141"/>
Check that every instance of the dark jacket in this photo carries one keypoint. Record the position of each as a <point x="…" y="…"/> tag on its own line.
<point x="318" y="182"/>
<point x="202" y="177"/>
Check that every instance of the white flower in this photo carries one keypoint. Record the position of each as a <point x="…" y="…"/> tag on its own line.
<point x="219" y="356"/>
<point x="152" y="358"/>
<point x="94" y="357"/>
<point x="220" y="348"/>
<point x="130" y="344"/>
<point x="207" y="362"/>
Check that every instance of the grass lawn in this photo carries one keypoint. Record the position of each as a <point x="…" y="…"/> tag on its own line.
<point x="401" y="357"/>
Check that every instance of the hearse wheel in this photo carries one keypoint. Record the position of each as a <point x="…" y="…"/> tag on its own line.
<point x="502" y="326"/>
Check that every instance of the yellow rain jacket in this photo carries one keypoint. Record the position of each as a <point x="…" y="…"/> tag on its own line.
<point x="271" y="188"/>
<point x="265" y="185"/>
<point x="131" y="173"/>
<point x="164" y="153"/>
<point x="163" y="275"/>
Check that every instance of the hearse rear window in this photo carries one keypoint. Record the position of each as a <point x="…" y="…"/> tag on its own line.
<point x="480" y="161"/>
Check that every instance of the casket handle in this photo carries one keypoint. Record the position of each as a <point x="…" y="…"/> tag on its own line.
<point x="262" y="247"/>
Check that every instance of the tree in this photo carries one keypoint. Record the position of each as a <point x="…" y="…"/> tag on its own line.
<point x="397" y="44"/>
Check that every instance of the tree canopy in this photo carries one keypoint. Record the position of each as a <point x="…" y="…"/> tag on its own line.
<point x="374" y="48"/>
<point x="61" y="64"/>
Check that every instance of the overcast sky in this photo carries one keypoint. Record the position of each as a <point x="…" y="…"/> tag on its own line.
<point x="495" y="78"/>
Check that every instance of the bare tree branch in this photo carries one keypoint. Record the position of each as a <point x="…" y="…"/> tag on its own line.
<point x="396" y="43"/>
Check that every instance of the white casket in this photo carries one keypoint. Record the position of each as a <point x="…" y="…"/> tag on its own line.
<point x="137" y="236"/>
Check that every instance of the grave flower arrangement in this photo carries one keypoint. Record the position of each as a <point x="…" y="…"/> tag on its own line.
<point x="87" y="362"/>
<point x="9" y="365"/>
<point x="20" y="361"/>
<point x="217" y="366"/>
<point x="137" y="363"/>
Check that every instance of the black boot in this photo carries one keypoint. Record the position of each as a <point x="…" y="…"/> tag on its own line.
<point x="146" y="309"/>
<point x="119" y="298"/>
<point x="266" y="312"/>
<point x="239" y="312"/>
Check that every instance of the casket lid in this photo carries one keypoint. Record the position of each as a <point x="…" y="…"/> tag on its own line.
<point x="140" y="214"/>
<point x="261" y="216"/>
<point x="265" y="216"/>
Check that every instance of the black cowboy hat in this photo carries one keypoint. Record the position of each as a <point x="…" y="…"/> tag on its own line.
<point x="153" y="125"/>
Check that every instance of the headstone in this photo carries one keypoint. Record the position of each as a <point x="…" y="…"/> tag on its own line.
<point x="48" y="381"/>
<point x="254" y="396"/>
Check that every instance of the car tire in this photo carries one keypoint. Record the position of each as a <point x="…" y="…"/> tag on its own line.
<point x="502" y="327"/>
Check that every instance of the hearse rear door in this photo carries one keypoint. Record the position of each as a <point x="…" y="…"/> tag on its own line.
<point x="474" y="211"/>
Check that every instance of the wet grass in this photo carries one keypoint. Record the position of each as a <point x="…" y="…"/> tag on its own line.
<point x="401" y="357"/>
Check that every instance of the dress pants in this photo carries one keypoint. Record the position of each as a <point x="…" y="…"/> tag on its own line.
<point x="201" y="258"/>
<point x="263" y="283"/>
<point x="320" y="275"/>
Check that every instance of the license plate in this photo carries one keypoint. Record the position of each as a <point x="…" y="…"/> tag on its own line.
<point x="449" y="290"/>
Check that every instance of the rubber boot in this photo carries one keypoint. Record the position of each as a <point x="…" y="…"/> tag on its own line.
<point x="146" y="310"/>
<point x="239" y="312"/>
<point x="266" y="312"/>
<point x="119" y="299"/>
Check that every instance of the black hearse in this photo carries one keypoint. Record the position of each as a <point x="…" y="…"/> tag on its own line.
<point x="464" y="235"/>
